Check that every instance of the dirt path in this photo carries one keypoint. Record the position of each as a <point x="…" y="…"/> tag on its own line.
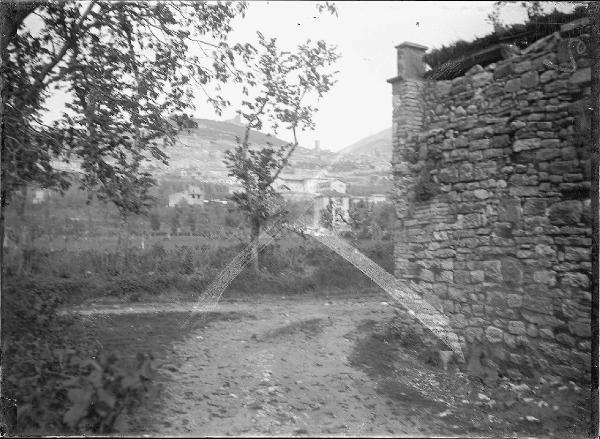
<point x="283" y="369"/>
<point x="313" y="366"/>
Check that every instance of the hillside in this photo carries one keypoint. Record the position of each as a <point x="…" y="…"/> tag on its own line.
<point x="203" y="147"/>
<point x="223" y="133"/>
<point x="378" y="145"/>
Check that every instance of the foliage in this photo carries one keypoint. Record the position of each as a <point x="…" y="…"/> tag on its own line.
<point x="155" y="221"/>
<point x="425" y="189"/>
<point x="126" y="68"/>
<point x="428" y="157"/>
<point x="58" y="384"/>
<point x="183" y="272"/>
<point x="522" y="35"/>
<point x="372" y="221"/>
<point x="283" y="82"/>
<point x="331" y="215"/>
<point x="72" y="394"/>
<point x="104" y="391"/>
<point x="176" y="220"/>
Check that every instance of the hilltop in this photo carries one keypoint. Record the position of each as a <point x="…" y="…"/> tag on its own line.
<point x="378" y="145"/>
<point x="202" y="148"/>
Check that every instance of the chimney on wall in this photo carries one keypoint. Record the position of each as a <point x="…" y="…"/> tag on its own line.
<point x="410" y="60"/>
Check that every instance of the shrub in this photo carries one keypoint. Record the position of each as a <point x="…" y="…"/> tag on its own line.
<point x="425" y="189"/>
<point x="58" y="385"/>
<point x="521" y="35"/>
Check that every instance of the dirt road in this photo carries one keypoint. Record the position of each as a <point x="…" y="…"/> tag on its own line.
<point x="283" y="368"/>
<point x="298" y="367"/>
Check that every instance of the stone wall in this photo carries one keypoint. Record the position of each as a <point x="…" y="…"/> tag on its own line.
<point x="492" y="178"/>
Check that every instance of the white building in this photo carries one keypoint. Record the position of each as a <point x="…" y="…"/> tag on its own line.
<point x="377" y="198"/>
<point x="332" y="185"/>
<point x="39" y="196"/>
<point x="309" y="185"/>
<point x="234" y="188"/>
<point x="368" y="199"/>
<point x="194" y="195"/>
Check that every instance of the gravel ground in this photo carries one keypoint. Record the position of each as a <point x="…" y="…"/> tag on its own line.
<point x="292" y="368"/>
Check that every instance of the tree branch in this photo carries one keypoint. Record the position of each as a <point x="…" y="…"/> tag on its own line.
<point x="12" y="14"/>
<point x="69" y="43"/>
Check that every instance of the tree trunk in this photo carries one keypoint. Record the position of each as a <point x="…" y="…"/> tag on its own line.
<point x="255" y="233"/>
<point x="123" y="242"/>
<point x="3" y="207"/>
<point x="122" y="238"/>
<point x="21" y="231"/>
<point x="594" y="49"/>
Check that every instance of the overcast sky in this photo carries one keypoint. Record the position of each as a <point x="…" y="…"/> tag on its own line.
<point x="365" y="33"/>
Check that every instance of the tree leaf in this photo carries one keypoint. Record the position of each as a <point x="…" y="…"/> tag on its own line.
<point x="81" y="402"/>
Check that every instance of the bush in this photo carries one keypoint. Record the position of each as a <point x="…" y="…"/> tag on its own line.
<point x="521" y="35"/>
<point x="58" y="385"/>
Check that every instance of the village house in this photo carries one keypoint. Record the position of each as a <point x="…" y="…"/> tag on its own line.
<point x="40" y="195"/>
<point x="194" y="195"/>
<point x="368" y="199"/>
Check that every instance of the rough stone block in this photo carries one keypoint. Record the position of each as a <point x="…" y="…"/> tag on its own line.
<point x="564" y="167"/>
<point x="462" y="277"/>
<point x="482" y="79"/>
<point x="494" y="335"/>
<point x="541" y="319"/>
<point x="534" y="206"/>
<point x="457" y="294"/>
<point x="546" y="154"/>
<point x="545" y="251"/>
<point x="545" y="277"/>
<point x="492" y="270"/>
<point x="479" y="144"/>
<point x="581" y="76"/>
<point x="477" y="276"/>
<point x="503" y="70"/>
<point x="448" y="306"/>
<point x="466" y="172"/>
<point x="530" y="79"/>
<point x="512" y="271"/>
<point x="448" y="175"/>
<point x="577" y="254"/>
<point x="526" y="144"/>
<point x="532" y="330"/>
<point x="548" y="76"/>
<point x="496" y="299"/>
<point x="575" y="280"/>
<point x="546" y="333"/>
<point x="509" y="210"/>
<point x="525" y="191"/>
<point x="580" y="329"/>
<point x="566" y="212"/>
<point x="524" y="66"/>
<point x="517" y="328"/>
<point x="481" y="194"/>
<point x="514" y="300"/>
<point x="500" y="141"/>
<point x="472" y="334"/>
<point x="565" y="339"/>
<point x="445" y="276"/>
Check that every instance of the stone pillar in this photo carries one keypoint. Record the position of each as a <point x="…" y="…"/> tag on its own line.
<point x="407" y="120"/>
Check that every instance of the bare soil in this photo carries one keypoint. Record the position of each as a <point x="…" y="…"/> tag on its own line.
<point x="302" y="367"/>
